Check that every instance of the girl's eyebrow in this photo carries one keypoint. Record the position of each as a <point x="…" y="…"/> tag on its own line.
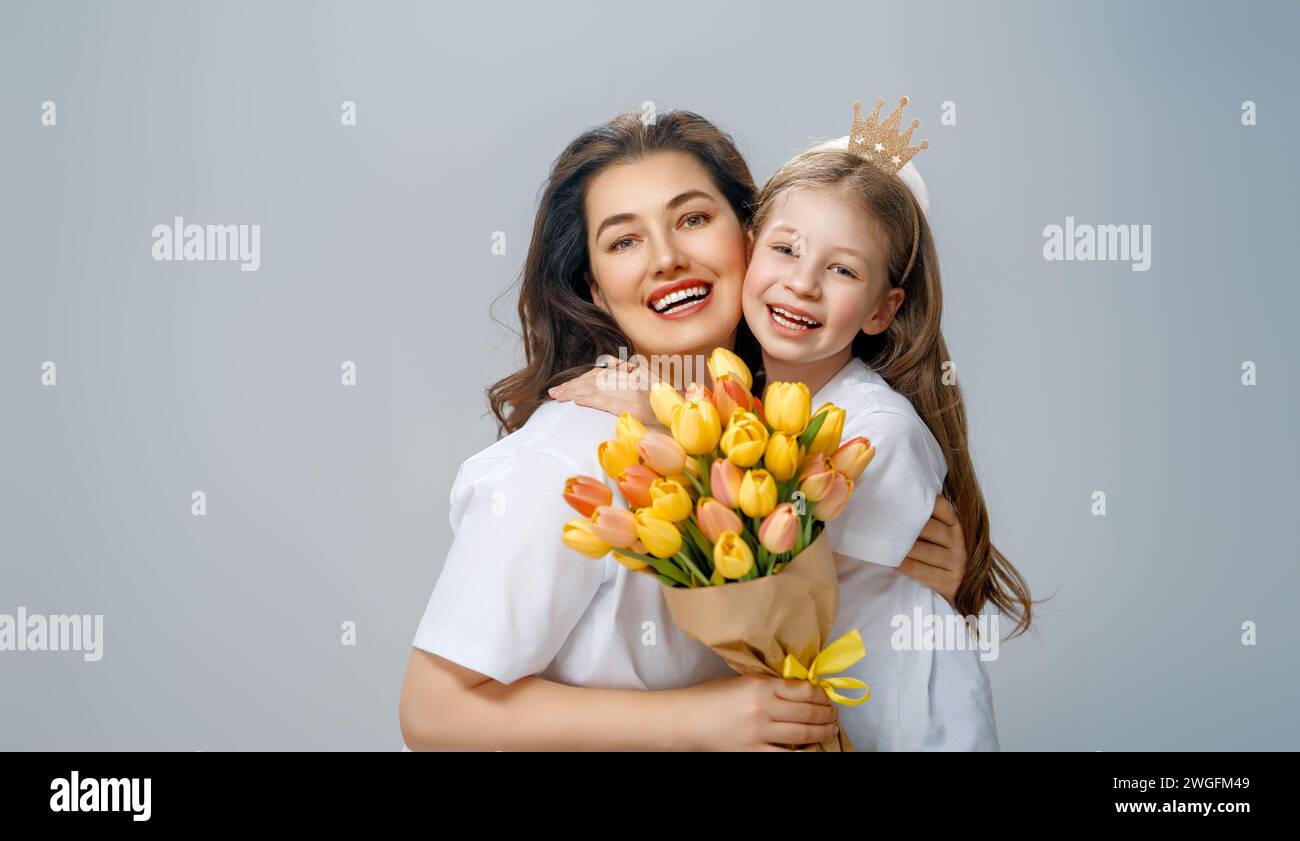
<point x="674" y="202"/>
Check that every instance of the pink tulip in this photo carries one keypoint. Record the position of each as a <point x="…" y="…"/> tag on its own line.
<point x="815" y="476"/>
<point x="853" y="456"/>
<point x="724" y="480"/>
<point x="714" y="518"/>
<point x="837" y="496"/>
<point x="615" y="526"/>
<point x="779" y="529"/>
<point x="662" y="454"/>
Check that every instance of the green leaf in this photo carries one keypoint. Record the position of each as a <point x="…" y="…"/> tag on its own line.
<point x="810" y="433"/>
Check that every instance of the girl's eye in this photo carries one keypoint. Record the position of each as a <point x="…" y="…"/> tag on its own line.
<point x="843" y="271"/>
<point x="782" y="248"/>
<point x="702" y="219"/>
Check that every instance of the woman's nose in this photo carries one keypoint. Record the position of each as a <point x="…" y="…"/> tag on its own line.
<point x="668" y="257"/>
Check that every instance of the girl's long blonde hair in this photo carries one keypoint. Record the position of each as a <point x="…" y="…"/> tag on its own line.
<point x="911" y="353"/>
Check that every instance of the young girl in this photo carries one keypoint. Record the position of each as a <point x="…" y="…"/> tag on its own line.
<point x="842" y="292"/>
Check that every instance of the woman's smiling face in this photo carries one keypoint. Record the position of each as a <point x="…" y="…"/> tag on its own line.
<point x="818" y="275"/>
<point x="667" y="254"/>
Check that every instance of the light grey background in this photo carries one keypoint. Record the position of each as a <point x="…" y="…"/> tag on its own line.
<point x="329" y="503"/>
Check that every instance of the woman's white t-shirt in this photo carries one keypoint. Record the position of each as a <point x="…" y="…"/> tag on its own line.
<point x="920" y="699"/>
<point x="513" y="600"/>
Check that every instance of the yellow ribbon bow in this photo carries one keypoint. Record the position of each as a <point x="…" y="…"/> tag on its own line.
<point x="836" y="657"/>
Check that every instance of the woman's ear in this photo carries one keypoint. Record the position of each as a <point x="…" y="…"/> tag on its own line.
<point x="594" y="289"/>
<point x="879" y="321"/>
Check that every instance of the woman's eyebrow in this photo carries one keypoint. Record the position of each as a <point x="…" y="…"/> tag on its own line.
<point x="675" y="201"/>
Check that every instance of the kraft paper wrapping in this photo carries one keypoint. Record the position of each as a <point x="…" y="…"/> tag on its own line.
<point x="754" y="624"/>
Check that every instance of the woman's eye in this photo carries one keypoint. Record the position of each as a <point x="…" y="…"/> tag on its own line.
<point x="701" y="219"/>
<point x="621" y="244"/>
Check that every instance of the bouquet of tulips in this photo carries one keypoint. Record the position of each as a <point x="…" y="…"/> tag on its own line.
<point x="729" y="517"/>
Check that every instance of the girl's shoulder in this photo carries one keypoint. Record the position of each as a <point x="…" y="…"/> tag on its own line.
<point x="858" y="389"/>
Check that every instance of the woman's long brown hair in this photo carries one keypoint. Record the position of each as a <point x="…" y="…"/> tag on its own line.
<point x="563" y="332"/>
<point x="911" y="353"/>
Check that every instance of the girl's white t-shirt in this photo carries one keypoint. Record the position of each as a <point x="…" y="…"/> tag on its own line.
<point x="920" y="699"/>
<point x="513" y="600"/>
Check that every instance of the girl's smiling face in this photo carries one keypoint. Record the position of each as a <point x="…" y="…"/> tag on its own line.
<point x="667" y="254"/>
<point x="817" y="276"/>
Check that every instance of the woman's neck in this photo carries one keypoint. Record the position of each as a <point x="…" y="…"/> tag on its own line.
<point x="812" y="374"/>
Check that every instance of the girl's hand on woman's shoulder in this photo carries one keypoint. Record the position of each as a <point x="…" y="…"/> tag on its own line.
<point x="610" y="390"/>
<point x="938" y="558"/>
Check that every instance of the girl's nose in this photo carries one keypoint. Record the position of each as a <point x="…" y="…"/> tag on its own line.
<point x="804" y="281"/>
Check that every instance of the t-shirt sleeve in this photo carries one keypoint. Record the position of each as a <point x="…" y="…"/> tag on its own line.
<point x="510" y="592"/>
<point x="894" y="497"/>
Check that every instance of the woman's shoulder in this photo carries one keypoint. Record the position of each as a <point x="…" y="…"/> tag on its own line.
<point x="561" y="436"/>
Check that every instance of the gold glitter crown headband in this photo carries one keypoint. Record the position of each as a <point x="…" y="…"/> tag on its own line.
<point x="883" y="147"/>
<point x="880" y="143"/>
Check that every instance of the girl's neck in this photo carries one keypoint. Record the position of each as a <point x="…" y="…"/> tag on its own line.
<point x="814" y="374"/>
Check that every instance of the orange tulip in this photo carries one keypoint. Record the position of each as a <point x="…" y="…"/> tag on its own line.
<point x="635" y="485"/>
<point x="585" y="493"/>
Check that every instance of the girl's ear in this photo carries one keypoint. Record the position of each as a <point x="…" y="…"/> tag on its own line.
<point x="879" y="321"/>
<point x="749" y="244"/>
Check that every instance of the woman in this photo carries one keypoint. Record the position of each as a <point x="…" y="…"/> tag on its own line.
<point x="525" y="644"/>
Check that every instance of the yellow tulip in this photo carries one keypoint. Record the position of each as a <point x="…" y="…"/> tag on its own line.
<point x="757" y="493"/>
<point x="615" y="458"/>
<point x="579" y="535"/>
<point x="663" y="399"/>
<point x="731" y="556"/>
<point x="661" y="538"/>
<point x="787" y="406"/>
<point x="745" y="439"/>
<point x="629" y="431"/>
<point x="782" y="456"/>
<point x="723" y="361"/>
<point x="696" y="427"/>
<point x="670" y="500"/>
<point x="827" y="439"/>
<point x="631" y="563"/>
